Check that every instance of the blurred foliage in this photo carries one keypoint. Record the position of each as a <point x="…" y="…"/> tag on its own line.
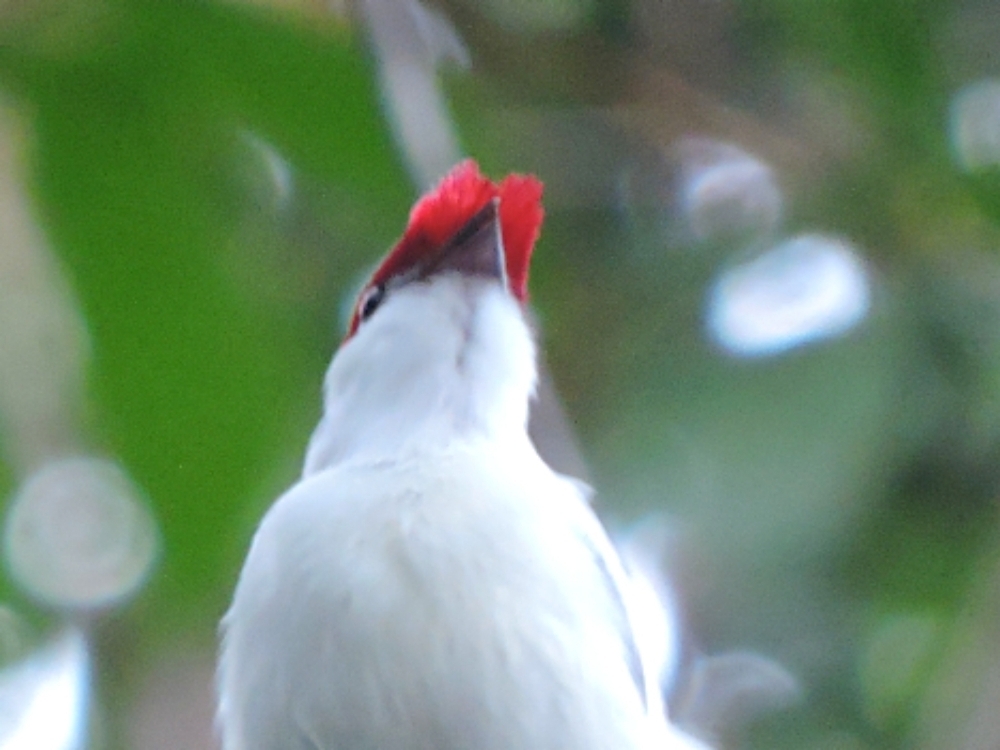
<point x="216" y="177"/>
<point x="140" y="150"/>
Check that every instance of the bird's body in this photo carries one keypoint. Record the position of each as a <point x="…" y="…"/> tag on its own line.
<point x="354" y="643"/>
<point x="430" y="583"/>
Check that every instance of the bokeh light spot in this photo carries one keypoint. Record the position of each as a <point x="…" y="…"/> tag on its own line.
<point x="726" y="191"/>
<point x="43" y="699"/>
<point x="77" y="534"/>
<point x="975" y="125"/>
<point x="805" y="289"/>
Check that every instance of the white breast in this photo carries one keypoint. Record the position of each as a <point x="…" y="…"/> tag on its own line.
<point x="441" y="603"/>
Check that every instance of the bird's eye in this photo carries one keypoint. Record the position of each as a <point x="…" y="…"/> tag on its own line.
<point x="370" y="301"/>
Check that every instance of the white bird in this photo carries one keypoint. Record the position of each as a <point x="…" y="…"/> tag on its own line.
<point x="430" y="583"/>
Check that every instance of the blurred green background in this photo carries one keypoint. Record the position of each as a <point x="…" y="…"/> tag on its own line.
<point x="768" y="290"/>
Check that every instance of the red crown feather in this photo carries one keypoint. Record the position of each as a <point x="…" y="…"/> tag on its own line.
<point x="439" y="215"/>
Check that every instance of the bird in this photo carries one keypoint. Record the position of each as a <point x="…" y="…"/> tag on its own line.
<point x="430" y="583"/>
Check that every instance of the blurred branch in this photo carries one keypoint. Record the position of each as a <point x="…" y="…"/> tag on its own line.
<point x="409" y="41"/>
<point x="43" y="340"/>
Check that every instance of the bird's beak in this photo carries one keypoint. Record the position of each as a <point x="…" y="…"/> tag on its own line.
<point x="475" y="250"/>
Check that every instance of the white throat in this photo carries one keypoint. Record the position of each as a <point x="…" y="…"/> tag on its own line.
<point x="444" y="359"/>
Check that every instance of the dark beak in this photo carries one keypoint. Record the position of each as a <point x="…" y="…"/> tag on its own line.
<point x="476" y="250"/>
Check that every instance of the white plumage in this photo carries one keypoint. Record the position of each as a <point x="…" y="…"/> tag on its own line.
<point x="430" y="584"/>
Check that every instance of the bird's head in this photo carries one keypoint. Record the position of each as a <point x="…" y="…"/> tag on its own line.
<point x="438" y="347"/>
<point x="467" y="225"/>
